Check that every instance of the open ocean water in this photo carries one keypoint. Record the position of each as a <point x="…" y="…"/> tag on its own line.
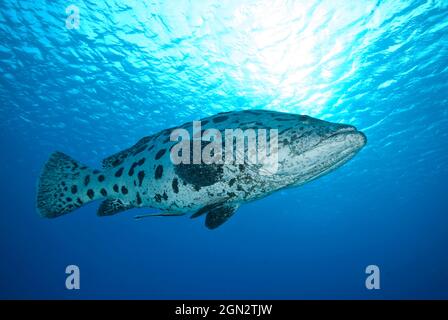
<point x="126" y="69"/>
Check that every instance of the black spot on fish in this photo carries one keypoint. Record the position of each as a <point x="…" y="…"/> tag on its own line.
<point x="90" y="193"/>
<point x="220" y="119"/>
<point x="68" y="199"/>
<point x="172" y="146"/>
<point x="79" y="201"/>
<point x="141" y="161"/>
<point x="144" y="140"/>
<point x="119" y="172"/>
<point x="117" y="162"/>
<point x="165" y="196"/>
<point x="232" y="182"/>
<point x="63" y="183"/>
<point x="139" y="150"/>
<point x="74" y="189"/>
<point x="231" y="194"/>
<point x="199" y="175"/>
<point x="139" y="199"/>
<point x="158" y="197"/>
<point x="103" y="192"/>
<point x="124" y="190"/>
<point x="65" y="188"/>
<point x="175" y="185"/>
<point x="131" y="171"/>
<point x="160" y="154"/>
<point x="159" y="172"/>
<point x="141" y="176"/>
<point x="241" y="167"/>
<point x="96" y="171"/>
<point x="86" y="180"/>
<point x="150" y="148"/>
<point x="115" y="187"/>
<point x="202" y="133"/>
<point x="101" y="178"/>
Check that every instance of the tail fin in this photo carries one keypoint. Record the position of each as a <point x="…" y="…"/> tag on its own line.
<point x="62" y="185"/>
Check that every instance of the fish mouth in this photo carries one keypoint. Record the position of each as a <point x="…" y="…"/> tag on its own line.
<point x="342" y="146"/>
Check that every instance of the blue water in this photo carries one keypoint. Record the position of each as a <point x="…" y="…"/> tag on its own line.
<point x="132" y="68"/>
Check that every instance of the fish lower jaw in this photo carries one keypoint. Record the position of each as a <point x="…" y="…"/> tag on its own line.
<point x="317" y="170"/>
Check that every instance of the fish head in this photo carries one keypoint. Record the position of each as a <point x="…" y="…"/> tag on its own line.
<point x="315" y="147"/>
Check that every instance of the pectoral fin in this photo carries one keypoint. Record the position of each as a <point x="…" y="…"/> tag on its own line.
<point x="110" y="207"/>
<point x="204" y="210"/>
<point x="219" y="214"/>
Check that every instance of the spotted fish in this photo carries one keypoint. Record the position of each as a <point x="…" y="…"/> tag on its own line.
<point x="145" y="174"/>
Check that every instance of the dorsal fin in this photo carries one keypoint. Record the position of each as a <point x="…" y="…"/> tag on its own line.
<point x="118" y="158"/>
<point x="110" y="207"/>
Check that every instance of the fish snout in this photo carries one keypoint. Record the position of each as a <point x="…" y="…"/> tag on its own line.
<point x="349" y="134"/>
<point x="363" y="138"/>
<point x="357" y="138"/>
<point x="345" y="128"/>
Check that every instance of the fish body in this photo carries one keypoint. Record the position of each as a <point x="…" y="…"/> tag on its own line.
<point x="299" y="149"/>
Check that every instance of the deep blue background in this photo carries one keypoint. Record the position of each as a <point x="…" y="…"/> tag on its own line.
<point x="132" y="69"/>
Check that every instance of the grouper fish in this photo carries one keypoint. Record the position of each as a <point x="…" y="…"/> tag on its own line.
<point x="145" y="175"/>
